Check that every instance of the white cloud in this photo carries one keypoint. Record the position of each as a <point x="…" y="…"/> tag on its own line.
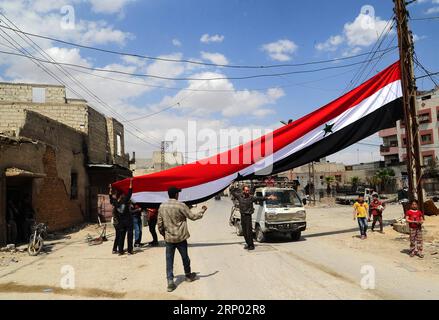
<point x="357" y="34"/>
<point x="206" y="38"/>
<point x="165" y="68"/>
<point x="216" y="58"/>
<point x="176" y="42"/>
<point x="227" y="100"/>
<point x="432" y="10"/>
<point x="280" y="50"/>
<point x="109" y="6"/>
<point x="417" y="38"/>
<point x="364" y="30"/>
<point x="331" y="44"/>
<point x="45" y="17"/>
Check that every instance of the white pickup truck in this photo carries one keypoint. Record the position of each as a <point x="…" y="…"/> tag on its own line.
<point x="286" y="214"/>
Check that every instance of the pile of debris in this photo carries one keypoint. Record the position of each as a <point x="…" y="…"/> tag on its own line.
<point x="430" y="208"/>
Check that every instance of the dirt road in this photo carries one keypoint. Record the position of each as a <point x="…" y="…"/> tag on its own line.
<point x="326" y="264"/>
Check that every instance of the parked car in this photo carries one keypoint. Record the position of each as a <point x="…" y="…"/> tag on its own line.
<point x="350" y="199"/>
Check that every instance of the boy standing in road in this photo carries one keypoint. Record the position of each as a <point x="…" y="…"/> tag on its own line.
<point x="415" y="218"/>
<point x="360" y="213"/>
<point x="376" y="210"/>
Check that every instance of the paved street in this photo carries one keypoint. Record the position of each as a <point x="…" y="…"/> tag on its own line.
<point x="325" y="264"/>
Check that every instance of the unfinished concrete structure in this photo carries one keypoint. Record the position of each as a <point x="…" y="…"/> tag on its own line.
<point x="60" y="152"/>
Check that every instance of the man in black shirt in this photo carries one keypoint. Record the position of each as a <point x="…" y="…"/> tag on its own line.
<point x="246" y="200"/>
<point x="122" y="215"/>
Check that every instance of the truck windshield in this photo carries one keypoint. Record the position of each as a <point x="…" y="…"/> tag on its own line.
<point x="285" y="198"/>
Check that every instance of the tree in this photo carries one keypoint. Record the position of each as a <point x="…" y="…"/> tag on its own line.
<point x="329" y="180"/>
<point x="355" y="181"/>
<point x="385" y="176"/>
<point x="432" y="171"/>
<point x="373" y="181"/>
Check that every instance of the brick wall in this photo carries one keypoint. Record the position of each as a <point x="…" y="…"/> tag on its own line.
<point x="115" y="128"/>
<point x="98" y="143"/>
<point x="74" y="116"/>
<point x="58" y="154"/>
<point x="21" y="92"/>
<point x="15" y="99"/>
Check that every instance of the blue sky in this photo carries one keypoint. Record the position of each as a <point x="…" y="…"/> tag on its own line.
<point x="253" y="32"/>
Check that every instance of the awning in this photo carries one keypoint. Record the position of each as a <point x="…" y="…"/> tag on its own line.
<point x="15" y="172"/>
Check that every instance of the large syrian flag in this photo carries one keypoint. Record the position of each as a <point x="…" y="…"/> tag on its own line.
<point x="372" y="106"/>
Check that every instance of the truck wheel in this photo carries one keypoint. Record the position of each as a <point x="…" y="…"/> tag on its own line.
<point x="295" y="236"/>
<point x="238" y="227"/>
<point x="259" y="235"/>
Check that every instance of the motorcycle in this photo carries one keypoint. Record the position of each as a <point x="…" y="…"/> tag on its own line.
<point x="36" y="241"/>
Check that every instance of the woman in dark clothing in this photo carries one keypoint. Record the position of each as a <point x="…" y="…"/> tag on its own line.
<point x="122" y="220"/>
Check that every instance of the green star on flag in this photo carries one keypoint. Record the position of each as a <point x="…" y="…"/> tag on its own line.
<point x="328" y="129"/>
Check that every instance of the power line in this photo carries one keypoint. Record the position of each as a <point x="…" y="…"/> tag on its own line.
<point x="426" y="18"/>
<point x="37" y="48"/>
<point x="196" y="79"/>
<point x="428" y="75"/>
<point x="184" y="60"/>
<point x="203" y="90"/>
<point x="424" y="69"/>
<point x="375" y="49"/>
<point x="283" y="86"/>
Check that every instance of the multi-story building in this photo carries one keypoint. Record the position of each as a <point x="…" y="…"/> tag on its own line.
<point x="394" y="139"/>
<point x="154" y="164"/>
<point x="58" y="153"/>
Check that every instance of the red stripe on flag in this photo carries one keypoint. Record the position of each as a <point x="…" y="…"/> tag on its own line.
<point x="210" y="169"/>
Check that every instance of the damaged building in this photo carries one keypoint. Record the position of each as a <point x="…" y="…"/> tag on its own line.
<point x="57" y="155"/>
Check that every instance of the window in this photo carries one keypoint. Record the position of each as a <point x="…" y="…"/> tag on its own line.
<point x="119" y="145"/>
<point x="427" y="160"/>
<point x="38" y="95"/>
<point x="73" y="186"/>
<point x="424" y="117"/>
<point x="426" y="138"/>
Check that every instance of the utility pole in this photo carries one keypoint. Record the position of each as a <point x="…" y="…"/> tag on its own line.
<point x="406" y="49"/>
<point x="311" y="186"/>
<point x="164" y="145"/>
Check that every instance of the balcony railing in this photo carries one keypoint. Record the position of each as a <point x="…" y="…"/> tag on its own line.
<point x="388" y="149"/>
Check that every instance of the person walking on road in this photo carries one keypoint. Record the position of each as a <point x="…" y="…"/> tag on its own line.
<point x="415" y="219"/>
<point x="172" y="225"/>
<point x="376" y="210"/>
<point x="245" y="203"/>
<point x="152" y="222"/>
<point x="124" y="219"/>
<point x="360" y="213"/>
<point x="136" y="212"/>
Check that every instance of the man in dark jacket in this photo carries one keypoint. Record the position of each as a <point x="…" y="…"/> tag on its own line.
<point x="123" y="219"/>
<point x="246" y="200"/>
